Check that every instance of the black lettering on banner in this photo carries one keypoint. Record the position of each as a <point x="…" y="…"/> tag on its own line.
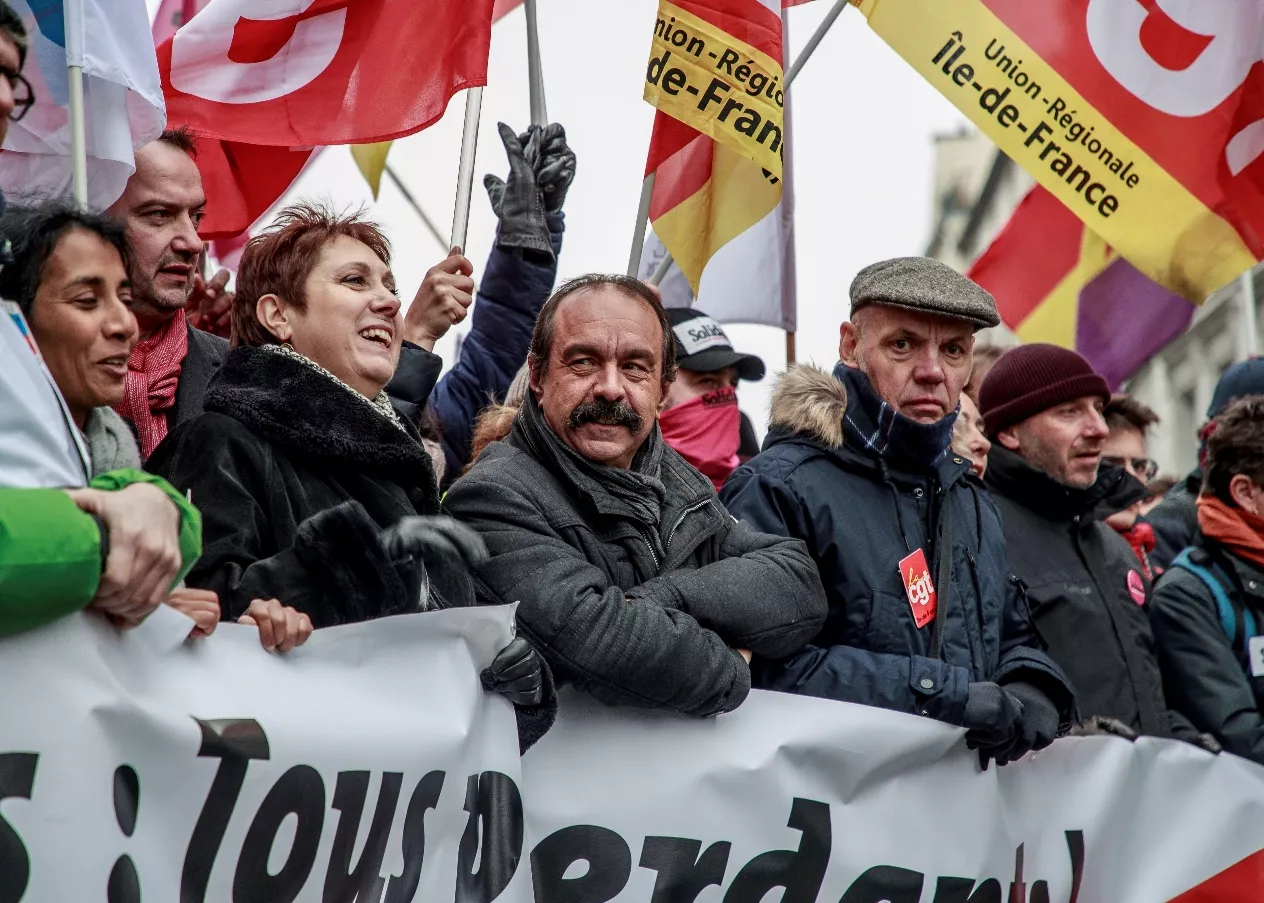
<point x="964" y="890"/>
<point x="682" y="873"/>
<point x="17" y="781"/>
<point x="493" y="801"/>
<point x="403" y="887"/>
<point x="885" y="884"/>
<point x="799" y="871"/>
<point x="363" y="883"/>
<point x="300" y="792"/>
<point x="606" y="853"/>
<point x="235" y="742"/>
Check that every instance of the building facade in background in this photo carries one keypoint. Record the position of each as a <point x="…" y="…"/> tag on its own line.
<point x="977" y="188"/>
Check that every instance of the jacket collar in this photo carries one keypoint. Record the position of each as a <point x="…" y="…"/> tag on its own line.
<point x="311" y="416"/>
<point x="658" y="484"/>
<point x="1011" y="476"/>
<point x="810" y="406"/>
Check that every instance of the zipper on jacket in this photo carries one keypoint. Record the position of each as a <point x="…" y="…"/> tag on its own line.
<point x="671" y="534"/>
<point x="650" y="545"/>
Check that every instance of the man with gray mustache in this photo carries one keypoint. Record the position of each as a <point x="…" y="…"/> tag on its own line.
<point x="632" y="580"/>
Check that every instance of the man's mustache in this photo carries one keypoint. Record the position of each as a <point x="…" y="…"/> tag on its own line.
<point x="608" y="413"/>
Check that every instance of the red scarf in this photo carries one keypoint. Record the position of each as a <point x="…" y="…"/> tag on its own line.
<point x="153" y="373"/>
<point x="706" y="432"/>
<point x="1238" y="530"/>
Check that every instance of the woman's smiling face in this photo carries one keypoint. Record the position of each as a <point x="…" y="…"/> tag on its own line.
<point x="351" y="324"/>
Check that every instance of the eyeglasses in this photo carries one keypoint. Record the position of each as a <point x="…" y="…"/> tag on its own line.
<point x="23" y="95"/>
<point x="1143" y="469"/>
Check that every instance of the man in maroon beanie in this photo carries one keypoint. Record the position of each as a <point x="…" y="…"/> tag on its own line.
<point x="1042" y="406"/>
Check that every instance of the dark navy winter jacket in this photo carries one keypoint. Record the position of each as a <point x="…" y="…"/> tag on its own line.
<point x="860" y="515"/>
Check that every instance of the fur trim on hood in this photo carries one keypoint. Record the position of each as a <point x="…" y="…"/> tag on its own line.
<point x="808" y="401"/>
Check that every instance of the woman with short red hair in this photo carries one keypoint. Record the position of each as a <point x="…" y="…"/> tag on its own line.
<point x="313" y="490"/>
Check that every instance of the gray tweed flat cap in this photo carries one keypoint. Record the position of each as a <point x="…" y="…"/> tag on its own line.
<point x="926" y="285"/>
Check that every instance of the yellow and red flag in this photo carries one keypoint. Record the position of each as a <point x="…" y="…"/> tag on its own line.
<point x="1055" y="281"/>
<point x="715" y="75"/>
<point x="1145" y="118"/>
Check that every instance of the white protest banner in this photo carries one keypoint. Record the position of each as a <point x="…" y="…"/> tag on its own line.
<point x="368" y="765"/>
<point x="812" y="800"/>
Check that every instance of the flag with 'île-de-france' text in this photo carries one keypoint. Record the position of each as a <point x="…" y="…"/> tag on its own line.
<point x="1145" y="118"/>
<point x="714" y="74"/>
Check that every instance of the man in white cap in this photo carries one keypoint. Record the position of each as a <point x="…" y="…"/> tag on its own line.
<point x="700" y="417"/>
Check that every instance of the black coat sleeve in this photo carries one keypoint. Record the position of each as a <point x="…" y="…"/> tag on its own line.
<point x="332" y="568"/>
<point x="415" y="377"/>
<point x="620" y="649"/>
<point x="1202" y="677"/>
<point x="764" y="593"/>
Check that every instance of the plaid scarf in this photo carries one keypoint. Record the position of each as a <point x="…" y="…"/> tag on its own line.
<point x="873" y="424"/>
<point x="153" y="375"/>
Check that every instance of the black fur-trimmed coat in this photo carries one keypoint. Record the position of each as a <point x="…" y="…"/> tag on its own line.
<point x="295" y="478"/>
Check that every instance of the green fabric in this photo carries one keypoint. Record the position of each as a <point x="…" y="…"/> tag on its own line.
<point x="50" y="551"/>
<point x="50" y="558"/>
<point x="190" y="517"/>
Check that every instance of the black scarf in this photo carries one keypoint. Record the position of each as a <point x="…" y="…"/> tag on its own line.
<point x="873" y="424"/>
<point x="638" y="491"/>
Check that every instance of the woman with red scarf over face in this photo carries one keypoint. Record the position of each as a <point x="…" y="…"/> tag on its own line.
<point x="700" y="418"/>
<point x="1208" y="608"/>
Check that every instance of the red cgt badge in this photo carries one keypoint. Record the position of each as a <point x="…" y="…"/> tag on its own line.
<point x="919" y="588"/>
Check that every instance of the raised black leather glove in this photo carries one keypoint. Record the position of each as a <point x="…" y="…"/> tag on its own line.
<point x="991" y="718"/>
<point x="516" y="673"/>
<point x="1037" y="724"/>
<point x="554" y="163"/>
<point x="1098" y="725"/>
<point x="519" y="202"/>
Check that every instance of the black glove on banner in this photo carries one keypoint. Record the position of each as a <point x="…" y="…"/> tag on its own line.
<point x="554" y="165"/>
<point x="517" y="673"/>
<point x="432" y="543"/>
<point x="1037" y="724"/>
<point x="519" y="203"/>
<point x="991" y="718"/>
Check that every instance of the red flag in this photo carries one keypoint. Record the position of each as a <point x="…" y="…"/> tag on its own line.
<point x="270" y="90"/>
<point x="504" y="8"/>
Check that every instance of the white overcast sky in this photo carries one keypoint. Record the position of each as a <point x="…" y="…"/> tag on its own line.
<point x="863" y="155"/>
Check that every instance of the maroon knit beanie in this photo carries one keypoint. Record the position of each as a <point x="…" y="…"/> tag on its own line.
<point x="1033" y="378"/>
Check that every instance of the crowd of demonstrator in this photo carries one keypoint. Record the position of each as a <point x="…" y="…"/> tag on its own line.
<point x="933" y="528"/>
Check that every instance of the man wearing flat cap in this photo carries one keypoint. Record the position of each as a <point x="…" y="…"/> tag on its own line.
<point x="924" y="615"/>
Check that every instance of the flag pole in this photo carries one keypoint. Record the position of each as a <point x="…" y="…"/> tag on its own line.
<point x="535" y="71"/>
<point x="72" y="11"/>
<point x="1250" y="323"/>
<point x="638" y="235"/>
<point x="787" y="193"/>
<point x="465" y="172"/>
<point x="412" y="202"/>
<point x="808" y="49"/>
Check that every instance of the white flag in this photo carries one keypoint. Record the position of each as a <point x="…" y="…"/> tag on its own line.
<point x="122" y="94"/>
